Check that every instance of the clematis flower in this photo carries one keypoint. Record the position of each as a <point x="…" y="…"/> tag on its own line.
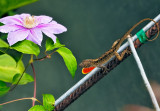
<point x="25" y="26"/>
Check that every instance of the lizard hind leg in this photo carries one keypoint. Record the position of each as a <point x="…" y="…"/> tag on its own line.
<point x="120" y="56"/>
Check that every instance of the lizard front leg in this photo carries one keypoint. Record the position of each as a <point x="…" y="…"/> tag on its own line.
<point x="115" y="43"/>
<point x="104" y="68"/>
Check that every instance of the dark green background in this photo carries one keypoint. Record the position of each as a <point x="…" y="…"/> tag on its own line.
<point x="93" y="25"/>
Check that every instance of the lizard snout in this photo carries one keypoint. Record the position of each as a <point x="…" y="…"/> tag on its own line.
<point x="86" y="63"/>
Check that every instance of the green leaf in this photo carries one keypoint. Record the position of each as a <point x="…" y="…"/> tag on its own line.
<point x="37" y="108"/>
<point x="1" y="53"/>
<point x="50" y="44"/>
<point x="3" y="44"/>
<point x="26" y="78"/>
<point x="3" y="35"/>
<point x="8" y="68"/>
<point x="1" y="24"/>
<point x="11" y="13"/>
<point x="17" y="56"/>
<point x="3" y="88"/>
<point x="26" y="47"/>
<point x="48" y="101"/>
<point x="69" y="59"/>
<point x="7" y="5"/>
<point x="1" y="107"/>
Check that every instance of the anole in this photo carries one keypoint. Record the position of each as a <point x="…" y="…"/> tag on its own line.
<point x="89" y="64"/>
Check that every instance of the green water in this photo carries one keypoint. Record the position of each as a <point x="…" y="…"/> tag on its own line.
<point x="93" y="25"/>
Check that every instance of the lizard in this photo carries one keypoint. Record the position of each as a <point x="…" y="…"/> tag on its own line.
<point x="90" y="64"/>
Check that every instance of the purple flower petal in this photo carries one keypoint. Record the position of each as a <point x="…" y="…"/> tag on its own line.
<point x="10" y="28"/>
<point x="16" y="36"/>
<point x="31" y="38"/>
<point x="53" y="37"/>
<point x="43" y="19"/>
<point x="53" y="27"/>
<point x="12" y="20"/>
<point x="29" y="27"/>
<point x="35" y="36"/>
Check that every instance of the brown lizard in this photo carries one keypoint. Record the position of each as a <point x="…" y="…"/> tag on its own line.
<point x="113" y="51"/>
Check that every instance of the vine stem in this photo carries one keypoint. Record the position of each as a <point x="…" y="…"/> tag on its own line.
<point x="35" y="87"/>
<point x="48" y="56"/>
<point x="12" y="87"/>
<point x="43" y="58"/>
<point x="32" y="98"/>
<point x="18" y="100"/>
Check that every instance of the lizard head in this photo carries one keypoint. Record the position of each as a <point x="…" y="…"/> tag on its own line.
<point x="86" y="63"/>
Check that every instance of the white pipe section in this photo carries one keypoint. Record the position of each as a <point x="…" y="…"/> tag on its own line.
<point x="143" y="74"/>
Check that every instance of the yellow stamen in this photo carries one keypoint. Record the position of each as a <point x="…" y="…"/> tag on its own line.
<point x="30" y="22"/>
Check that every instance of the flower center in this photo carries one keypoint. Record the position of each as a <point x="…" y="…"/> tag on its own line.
<point x="30" y="22"/>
